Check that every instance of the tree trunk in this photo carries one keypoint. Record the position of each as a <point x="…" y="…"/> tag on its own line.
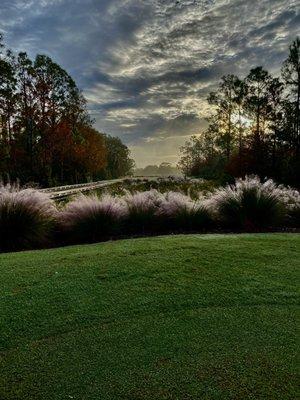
<point x="297" y="118"/>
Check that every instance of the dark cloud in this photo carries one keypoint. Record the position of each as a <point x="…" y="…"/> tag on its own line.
<point x="146" y="66"/>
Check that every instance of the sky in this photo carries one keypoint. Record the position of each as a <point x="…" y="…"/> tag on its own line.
<point x="147" y="66"/>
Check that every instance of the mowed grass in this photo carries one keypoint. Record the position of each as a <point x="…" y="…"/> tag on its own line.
<point x="182" y="317"/>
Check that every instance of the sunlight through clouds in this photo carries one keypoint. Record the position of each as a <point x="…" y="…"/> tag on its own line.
<point x="147" y="66"/>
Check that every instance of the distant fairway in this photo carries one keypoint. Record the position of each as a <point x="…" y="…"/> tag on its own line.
<point x="176" y="317"/>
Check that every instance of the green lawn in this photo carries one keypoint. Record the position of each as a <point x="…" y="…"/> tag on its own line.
<point x="175" y="317"/>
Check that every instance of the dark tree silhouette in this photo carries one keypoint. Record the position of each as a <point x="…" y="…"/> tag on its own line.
<point x="254" y="127"/>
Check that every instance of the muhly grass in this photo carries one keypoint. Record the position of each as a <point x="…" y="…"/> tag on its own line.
<point x="183" y="213"/>
<point x="27" y="218"/>
<point x="250" y="204"/>
<point x="142" y="211"/>
<point x="188" y="186"/>
<point x="92" y="218"/>
<point x="291" y="200"/>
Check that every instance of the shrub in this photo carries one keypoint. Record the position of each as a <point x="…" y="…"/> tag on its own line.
<point x="90" y="218"/>
<point x="293" y="218"/>
<point x="27" y="218"/>
<point x="188" y="186"/>
<point x="142" y="211"/>
<point x="291" y="200"/>
<point x="249" y="204"/>
<point x="180" y="212"/>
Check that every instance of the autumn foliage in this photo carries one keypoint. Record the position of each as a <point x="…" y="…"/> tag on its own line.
<point x="254" y="127"/>
<point x="46" y="134"/>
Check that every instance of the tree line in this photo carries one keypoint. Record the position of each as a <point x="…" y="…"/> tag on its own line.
<point x="163" y="169"/>
<point x="254" y="128"/>
<point x="46" y="133"/>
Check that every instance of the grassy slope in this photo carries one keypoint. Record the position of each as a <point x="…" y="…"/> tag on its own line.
<point x="183" y="317"/>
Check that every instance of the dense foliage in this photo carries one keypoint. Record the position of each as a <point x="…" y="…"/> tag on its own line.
<point x="46" y="135"/>
<point x="254" y="129"/>
<point x="29" y="219"/>
<point x="188" y="186"/>
<point x="118" y="161"/>
<point x="91" y="219"/>
<point x="249" y="204"/>
<point x="163" y="169"/>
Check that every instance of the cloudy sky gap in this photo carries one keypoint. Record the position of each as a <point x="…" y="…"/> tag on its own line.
<point x="146" y="66"/>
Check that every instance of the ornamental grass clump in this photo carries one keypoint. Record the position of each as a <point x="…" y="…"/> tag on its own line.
<point x="181" y="213"/>
<point x="291" y="200"/>
<point x="249" y="205"/>
<point x="88" y="219"/>
<point x="142" y="211"/>
<point x="293" y="218"/>
<point x="27" y="218"/>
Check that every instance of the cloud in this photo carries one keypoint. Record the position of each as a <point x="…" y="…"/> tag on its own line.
<point x="146" y="66"/>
